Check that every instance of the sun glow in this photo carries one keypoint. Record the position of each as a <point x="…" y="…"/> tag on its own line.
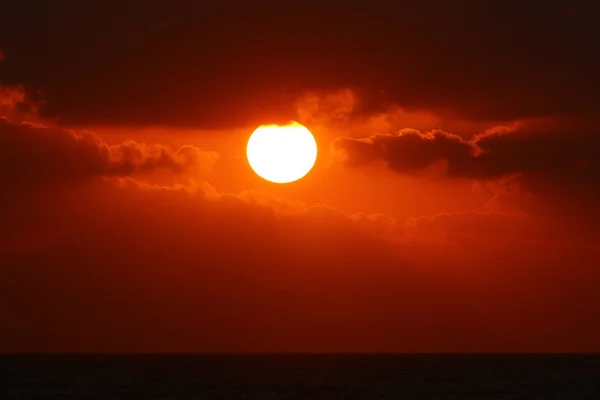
<point x="281" y="154"/>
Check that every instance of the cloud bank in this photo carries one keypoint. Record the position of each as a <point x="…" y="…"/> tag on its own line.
<point x="487" y="156"/>
<point x="33" y="154"/>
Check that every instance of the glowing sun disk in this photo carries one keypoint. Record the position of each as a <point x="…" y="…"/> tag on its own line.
<point x="281" y="154"/>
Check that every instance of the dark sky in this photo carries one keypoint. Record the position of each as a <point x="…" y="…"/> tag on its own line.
<point x="224" y="62"/>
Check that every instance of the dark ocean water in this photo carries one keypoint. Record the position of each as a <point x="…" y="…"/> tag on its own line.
<point x="482" y="377"/>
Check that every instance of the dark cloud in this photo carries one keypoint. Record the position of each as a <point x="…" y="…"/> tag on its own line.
<point x="487" y="156"/>
<point x="17" y="105"/>
<point x="554" y="176"/>
<point x="31" y="154"/>
<point x="550" y="154"/>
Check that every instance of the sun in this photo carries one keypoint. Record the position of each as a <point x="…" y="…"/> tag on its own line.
<point x="281" y="153"/>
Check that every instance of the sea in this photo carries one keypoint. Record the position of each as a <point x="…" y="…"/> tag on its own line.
<point x="302" y="377"/>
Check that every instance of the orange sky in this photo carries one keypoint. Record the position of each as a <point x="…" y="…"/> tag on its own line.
<point x="423" y="227"/>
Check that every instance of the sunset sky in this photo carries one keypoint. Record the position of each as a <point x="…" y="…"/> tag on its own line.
<point x="454" y="205"/>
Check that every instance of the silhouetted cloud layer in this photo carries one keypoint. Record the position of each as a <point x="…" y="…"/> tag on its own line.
<point x="17" y="105"/>
<point x="32" y="154"/>
<point x="491" y="155"/>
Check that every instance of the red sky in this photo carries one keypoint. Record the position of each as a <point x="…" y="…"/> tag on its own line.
<point x="454" y="205"/>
